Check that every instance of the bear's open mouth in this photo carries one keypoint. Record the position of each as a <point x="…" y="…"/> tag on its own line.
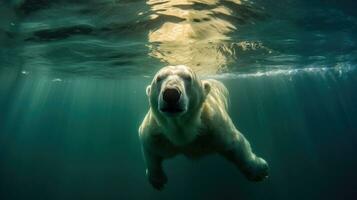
<point x="172" y="110"/>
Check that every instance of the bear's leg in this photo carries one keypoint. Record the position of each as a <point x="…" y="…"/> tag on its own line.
<point x="253" y="167"/>
<point x="154" y="171"/>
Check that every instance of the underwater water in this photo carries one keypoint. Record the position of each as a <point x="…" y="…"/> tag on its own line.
<point x="72" y="95"/>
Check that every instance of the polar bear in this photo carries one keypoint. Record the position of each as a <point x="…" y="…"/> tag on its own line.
<point x="189" y="116"/>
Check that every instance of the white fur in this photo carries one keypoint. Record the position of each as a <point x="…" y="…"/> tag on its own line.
<point x="203" y="128"/>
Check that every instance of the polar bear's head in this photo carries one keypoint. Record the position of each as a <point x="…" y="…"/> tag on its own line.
<point x="176" y="91"/>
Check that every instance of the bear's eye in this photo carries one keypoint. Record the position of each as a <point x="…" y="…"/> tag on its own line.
<point x="159" y="78"/>
<point x="187" y="77"/>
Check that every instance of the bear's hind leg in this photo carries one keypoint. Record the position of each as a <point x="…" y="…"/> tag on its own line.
<point x="253" y="167"/>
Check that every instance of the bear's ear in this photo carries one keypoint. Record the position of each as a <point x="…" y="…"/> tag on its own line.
<point x="148" y="90"/>
<point x="206" y="86"/>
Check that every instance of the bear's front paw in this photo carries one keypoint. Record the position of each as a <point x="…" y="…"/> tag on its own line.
<point x="257" y="171"/>
<point x="157" y="179"/>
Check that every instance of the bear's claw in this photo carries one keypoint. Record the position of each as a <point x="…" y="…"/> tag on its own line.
<point x="157" y="180"/>
<point x="258" y="171"/>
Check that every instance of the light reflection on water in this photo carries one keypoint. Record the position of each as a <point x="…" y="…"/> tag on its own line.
<point x="199" y="38"/>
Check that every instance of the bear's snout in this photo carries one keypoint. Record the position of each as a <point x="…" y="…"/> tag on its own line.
<point x="171" y="96"/>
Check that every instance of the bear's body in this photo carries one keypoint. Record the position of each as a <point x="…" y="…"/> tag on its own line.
<point x="189" y="116"/>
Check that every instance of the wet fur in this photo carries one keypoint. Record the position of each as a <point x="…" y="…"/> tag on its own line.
<point x="205" y="128"/>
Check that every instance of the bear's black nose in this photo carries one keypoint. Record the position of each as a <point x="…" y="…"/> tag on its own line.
<point x="171" y="95"/>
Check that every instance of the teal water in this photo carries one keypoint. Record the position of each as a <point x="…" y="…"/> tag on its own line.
<point x="72" y="95"/>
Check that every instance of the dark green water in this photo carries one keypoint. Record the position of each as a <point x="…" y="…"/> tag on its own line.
<point x="77" y="139"/>
<point x="71" y="101"/>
